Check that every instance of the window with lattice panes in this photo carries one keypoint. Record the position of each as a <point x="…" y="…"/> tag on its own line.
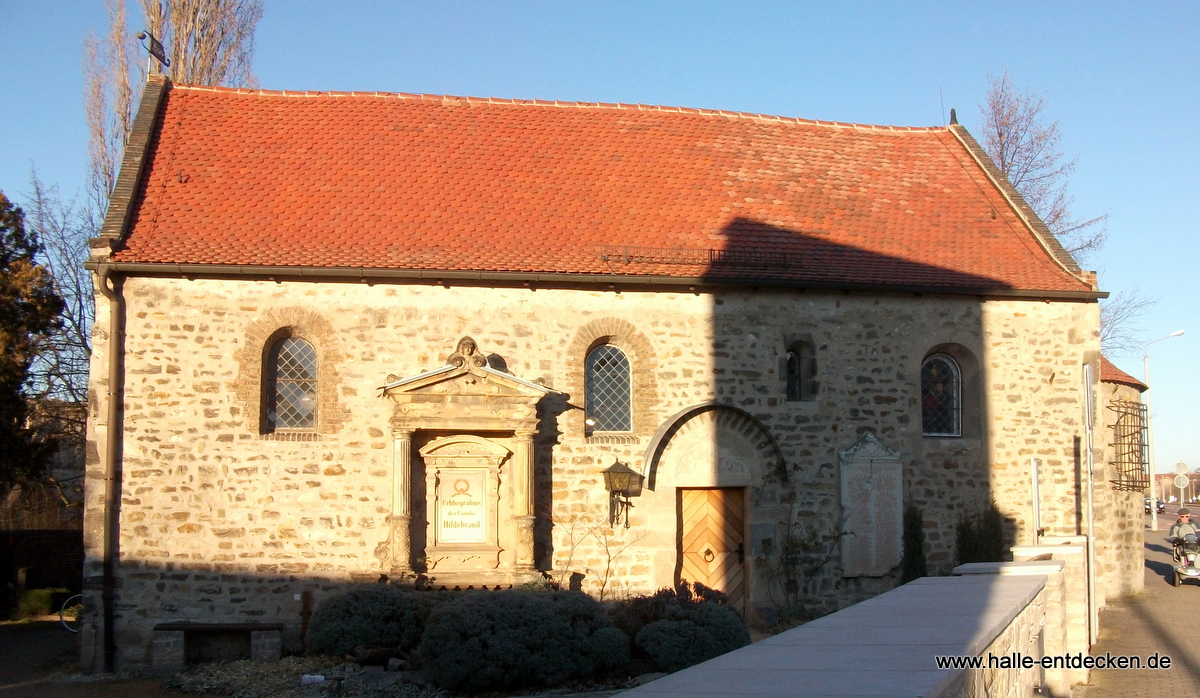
<point x="608" y="390"/>
<point x="941" y="396"/>
<point x="291" y="385"/>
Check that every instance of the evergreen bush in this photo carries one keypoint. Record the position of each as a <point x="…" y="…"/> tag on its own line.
<point x="680" y="627"/>
<point x="375" y="615"/>
<point x="692" y="634"/>
<point x="980" y="538"/>
<point x="505" y="639"/>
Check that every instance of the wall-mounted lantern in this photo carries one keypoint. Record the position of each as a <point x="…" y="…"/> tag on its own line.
<point x="622" y="482"/>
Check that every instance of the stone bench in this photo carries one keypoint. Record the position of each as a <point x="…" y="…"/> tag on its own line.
<point x="179" y="644"/>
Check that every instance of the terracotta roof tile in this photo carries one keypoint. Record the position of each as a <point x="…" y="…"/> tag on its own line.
<point x="401" y="181"/>
<point x="1109" y="373"/>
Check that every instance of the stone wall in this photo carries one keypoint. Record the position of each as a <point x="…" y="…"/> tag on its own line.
<point x="219" y="520"/>
<point x="1121" y="539"/>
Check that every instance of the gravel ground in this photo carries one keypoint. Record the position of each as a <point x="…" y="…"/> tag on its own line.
<point x="40" y="660"/>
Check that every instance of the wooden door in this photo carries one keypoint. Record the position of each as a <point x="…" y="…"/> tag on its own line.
<point x="712" y="540"/>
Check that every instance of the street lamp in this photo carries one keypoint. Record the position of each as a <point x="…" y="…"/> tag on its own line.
<point x="1150" y="428"/>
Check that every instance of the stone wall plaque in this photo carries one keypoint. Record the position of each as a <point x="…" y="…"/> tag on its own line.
<point x="461" y="509"/>
<point x="872" y="508"/>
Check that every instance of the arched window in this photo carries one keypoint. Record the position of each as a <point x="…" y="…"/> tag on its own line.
<point x="608" y="390"/>
<point x="801" y="372"/>
<point x="941" y="396"/>
<point x="291" y="385"/>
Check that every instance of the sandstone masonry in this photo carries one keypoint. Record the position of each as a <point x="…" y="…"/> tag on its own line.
<point x="220" y="521"/>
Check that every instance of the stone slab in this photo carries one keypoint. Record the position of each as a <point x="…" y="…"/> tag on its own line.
<point x="1012" y="568"/>
<point x="884" y="646"/>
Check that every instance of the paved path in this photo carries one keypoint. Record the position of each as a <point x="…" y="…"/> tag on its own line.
<point x="1162" y="619"/>
<point x="34" y="656"/>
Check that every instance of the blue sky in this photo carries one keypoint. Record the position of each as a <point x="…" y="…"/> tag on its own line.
<point x="1122" y="78"/>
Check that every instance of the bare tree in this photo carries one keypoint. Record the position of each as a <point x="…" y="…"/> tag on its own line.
<point x="1121" y="329"/>
<point x="111" y="89"/>
<point x="209" y="42"/>
<point x="1029" y="152"/>
<point x="59" y="374"/>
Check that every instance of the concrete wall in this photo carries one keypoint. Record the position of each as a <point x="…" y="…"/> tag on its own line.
<point x="220" y="520"/>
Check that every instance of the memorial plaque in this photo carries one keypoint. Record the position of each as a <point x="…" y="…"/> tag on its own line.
<point x="873" y="509"/>
<point x="461" y="511"/>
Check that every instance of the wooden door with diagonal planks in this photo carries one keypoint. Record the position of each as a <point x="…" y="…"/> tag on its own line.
<point x="712" y="541"/>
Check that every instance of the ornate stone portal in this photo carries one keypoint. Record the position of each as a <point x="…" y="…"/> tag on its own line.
<point x="478" y="490"/>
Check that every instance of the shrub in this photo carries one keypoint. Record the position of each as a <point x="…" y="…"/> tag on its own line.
<point x="375" y="615"/>
<point x="504" y="639"/>
<point x="39" y="602"/>
<point x="980" y="538"/>
<point x="682" y="626"/>
<point x="692" y="633"/>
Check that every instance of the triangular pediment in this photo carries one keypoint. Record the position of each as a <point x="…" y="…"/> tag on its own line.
<point x="869" y="447"/>
<point x="466" y="374"/>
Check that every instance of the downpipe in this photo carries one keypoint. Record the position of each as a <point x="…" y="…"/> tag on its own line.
<point x="110" y="287"/>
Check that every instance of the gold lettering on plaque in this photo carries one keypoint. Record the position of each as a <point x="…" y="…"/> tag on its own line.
<point x="461" y="510"/>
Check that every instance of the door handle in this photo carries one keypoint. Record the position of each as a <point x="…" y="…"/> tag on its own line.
<point x="742" y="553"/>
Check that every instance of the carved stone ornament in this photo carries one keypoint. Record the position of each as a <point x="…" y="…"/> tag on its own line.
<point x="868" y="448"/>
<point x="467" y="352"/>
<point x="466" y="394"/>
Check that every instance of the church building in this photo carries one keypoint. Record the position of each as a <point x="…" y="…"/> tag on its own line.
<point x="458" y="342"/>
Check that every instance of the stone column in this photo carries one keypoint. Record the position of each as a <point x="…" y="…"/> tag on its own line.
<point x="401" y="518"/>
<point x="522" y="498"/>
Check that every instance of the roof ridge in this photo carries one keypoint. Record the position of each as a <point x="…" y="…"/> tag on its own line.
<point x="561" y="104"/>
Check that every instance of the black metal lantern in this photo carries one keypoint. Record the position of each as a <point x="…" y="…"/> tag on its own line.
<point x="622" y="482"/>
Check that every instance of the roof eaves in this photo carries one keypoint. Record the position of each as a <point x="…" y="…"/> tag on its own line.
<point x="121" y="203"/>
<point x="565" y="279"/>
<point x="1041" y="233"/>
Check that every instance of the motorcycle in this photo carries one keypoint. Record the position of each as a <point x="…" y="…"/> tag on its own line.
<point x="1186" y="551"/>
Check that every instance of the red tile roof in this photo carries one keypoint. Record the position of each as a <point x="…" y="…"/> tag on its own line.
<point x="394" y="181"/>
<point x="1109" y="373"/>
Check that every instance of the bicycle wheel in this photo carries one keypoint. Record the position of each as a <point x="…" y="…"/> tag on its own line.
<point x="71" y="612"/>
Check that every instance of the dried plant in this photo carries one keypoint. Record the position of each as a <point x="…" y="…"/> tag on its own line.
<point x="1029" y="152"/>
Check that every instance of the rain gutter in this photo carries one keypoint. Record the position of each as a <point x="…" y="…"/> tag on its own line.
<point x="370" y="275"/>
<point x="110" y="287"/>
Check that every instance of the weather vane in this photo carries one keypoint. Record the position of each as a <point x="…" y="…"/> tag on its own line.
<point x="155" y="48"/>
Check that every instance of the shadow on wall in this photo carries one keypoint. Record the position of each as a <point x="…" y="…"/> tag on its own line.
<point x="816" y="369"/>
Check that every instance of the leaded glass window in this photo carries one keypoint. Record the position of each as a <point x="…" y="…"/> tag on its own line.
<point x="941" y="397"/>
<point x="608" y="390"/>
<point x="292" y="388"/>
<point x="801" y="372"/>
